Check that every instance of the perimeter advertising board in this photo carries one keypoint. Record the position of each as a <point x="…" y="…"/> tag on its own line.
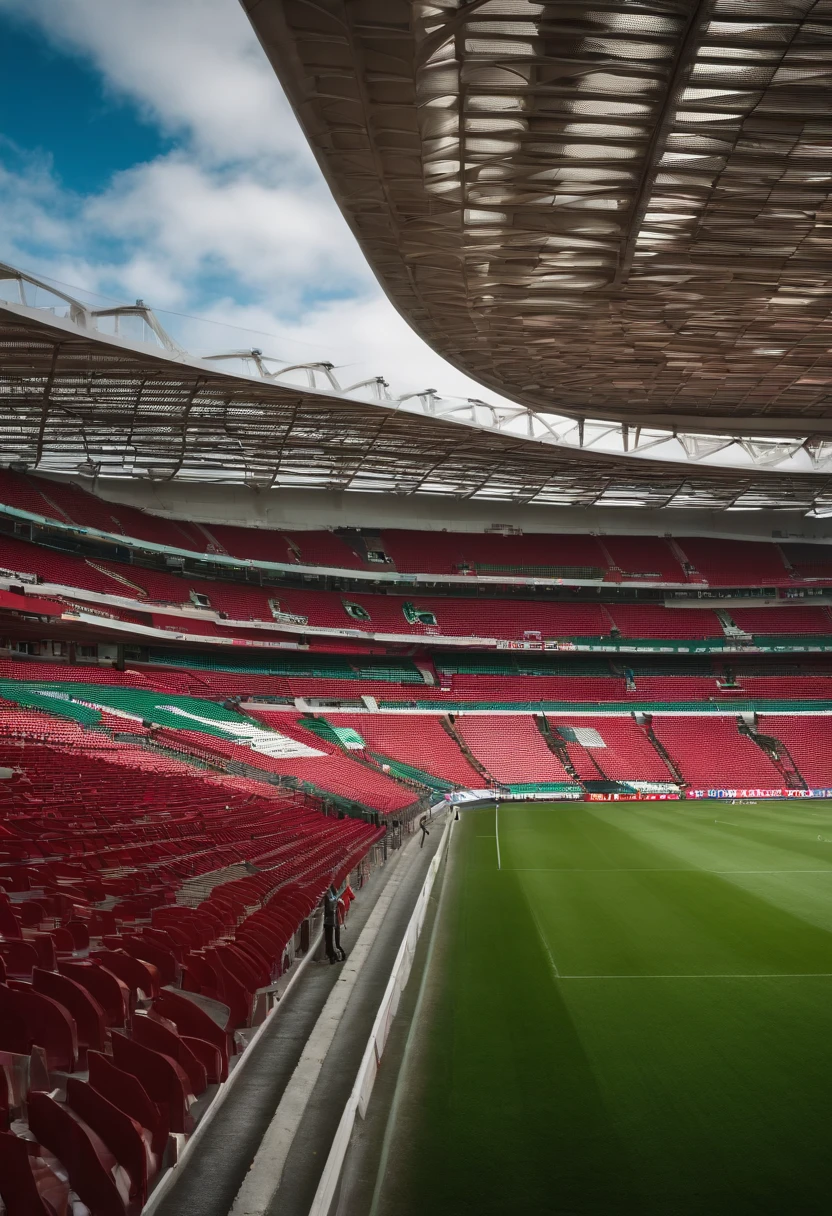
<point x="759" y="794"/>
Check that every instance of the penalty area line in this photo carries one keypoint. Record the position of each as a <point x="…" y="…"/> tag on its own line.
<point x="729" y="975"/>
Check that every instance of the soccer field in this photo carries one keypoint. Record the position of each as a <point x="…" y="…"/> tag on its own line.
<point x="631" y="1015"/>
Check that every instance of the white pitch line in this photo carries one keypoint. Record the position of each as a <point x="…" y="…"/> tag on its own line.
<point x="497" y="832"/>
<point x="544" y="942"/>
<point x="750" y="975"/>
<point x="655" y="870"/>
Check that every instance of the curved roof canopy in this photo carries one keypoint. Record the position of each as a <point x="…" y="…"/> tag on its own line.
<point x="74" y="399"/>
<point x="617" y="210"/>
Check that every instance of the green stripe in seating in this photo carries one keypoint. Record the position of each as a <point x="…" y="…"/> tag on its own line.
<point x="157" y="707"/>
<point x="60" y="706"/>
<point x="342" y="736"/>
<point x="398" y="768"/>
<point x="319" y="666"/>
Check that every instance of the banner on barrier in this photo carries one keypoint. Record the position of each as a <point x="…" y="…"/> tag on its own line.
<point x="759" y="793"/>
<point x="674" y="797"/>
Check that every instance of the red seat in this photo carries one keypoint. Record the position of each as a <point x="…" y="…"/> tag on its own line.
<point x="231" y="992"/>
<point x="31" y="914"/>
<point x="127" y="1140"/>
<point x="126" y="1092"/>
<point x="209" y="1056"/>
<point x="191" y="1019"/>
<point x="27" y="1184"/>
<point x="80" y="934"/>
<point x="153" y="1032"/>
<point x="41" y="1022"/>
<point x="9" y="924"/>
<point x="88" y="1161"/>
<point x="111" y="993"/>
<point x="19" y="958"/>
<point x="163" y="1077"/>
<point x="62" y="940"/>
<point x="138" y="975"/>
<point x="85" y="1009"/>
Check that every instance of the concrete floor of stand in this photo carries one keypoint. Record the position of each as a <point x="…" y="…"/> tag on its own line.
<point x="213" y="1173"/>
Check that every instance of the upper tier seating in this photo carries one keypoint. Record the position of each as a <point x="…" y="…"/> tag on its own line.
<point x="721" y="562"/>
<point x="804" y="619"/>
<point x="735" y="562"/>
<point x="511" y="619"/>
<point x="645" y="556"/>
<point x="24" y="494"/>
<point x="712" y="754"/>
<point x="301" y="548"/>
<point x="455" y="617"/>
<point x="446" y="553"/>
<point x="511" y="749"/>
<point x="654" y="621"/>
<point x="809" y="561"/>
<point x="23" y="558"/>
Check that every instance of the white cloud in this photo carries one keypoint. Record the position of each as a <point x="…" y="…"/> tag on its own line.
<point x="235" y="224"/>
<point x="266" y="235"/>
<point x="194" y="67"/>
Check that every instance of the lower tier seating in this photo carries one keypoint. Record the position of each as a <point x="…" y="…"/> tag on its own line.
<point x="146" y="908"/>
<point x="712" y="754"/>
<point x="626" y="755"/>
<point x="511" y="749"/>
<point x="809" y="741"/>
<point x="421" y="742"/>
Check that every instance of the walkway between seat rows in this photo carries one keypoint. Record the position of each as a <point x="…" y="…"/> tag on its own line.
<point x="215" y="1170"/>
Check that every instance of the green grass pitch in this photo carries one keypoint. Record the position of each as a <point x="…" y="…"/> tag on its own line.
<point x="632" y="1015"/>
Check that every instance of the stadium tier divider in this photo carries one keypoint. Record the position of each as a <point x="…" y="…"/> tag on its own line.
<point x="688" y="708"/>
<point x="321" y="666"/>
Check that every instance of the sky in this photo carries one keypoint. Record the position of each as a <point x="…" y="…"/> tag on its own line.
<point x="147" y="151"/>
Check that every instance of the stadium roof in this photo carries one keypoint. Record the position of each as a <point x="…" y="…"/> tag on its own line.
<point x="74" y="399"/>
<point x="617" y="210"/>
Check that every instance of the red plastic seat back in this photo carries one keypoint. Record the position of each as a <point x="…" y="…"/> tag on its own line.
<point x="48" y="1024"/>
<point x="126" y="1139"/>
<point x="83" y="1153"/>
<point x="151" y="1032"/>
<point x="191" y="1019"/>
<point x="164" y="1079"/>
<point x="85" y="1009"/>
<point x="126" y="1092"/>
<point x="27" y="1185"/>
<point x="111" y="993"/>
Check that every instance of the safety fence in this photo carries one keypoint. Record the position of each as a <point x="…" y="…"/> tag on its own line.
<point x="359" y="1098"/>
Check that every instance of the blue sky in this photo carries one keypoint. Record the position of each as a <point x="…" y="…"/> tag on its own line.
<point x="57" y="107"/>
<point x="146" y="150"/>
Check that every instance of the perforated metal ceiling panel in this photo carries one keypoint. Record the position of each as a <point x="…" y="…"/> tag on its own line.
<point x="617" y="210"/>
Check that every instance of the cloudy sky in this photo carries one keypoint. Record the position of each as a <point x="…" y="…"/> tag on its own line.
<point x="146" y="150"/>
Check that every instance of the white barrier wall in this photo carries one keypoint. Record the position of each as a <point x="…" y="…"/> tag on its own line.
<point x="359" y="1098"/>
